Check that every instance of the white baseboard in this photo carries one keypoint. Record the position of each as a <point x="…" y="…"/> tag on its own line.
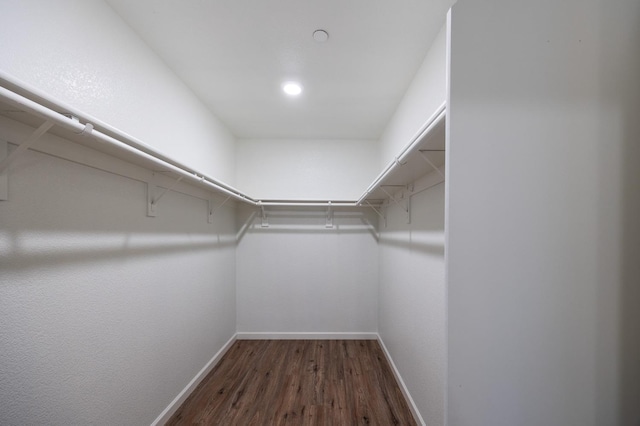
<point x="403" y="387"/>
<point x="182" y="396"/>
<point x="306" y="336"/>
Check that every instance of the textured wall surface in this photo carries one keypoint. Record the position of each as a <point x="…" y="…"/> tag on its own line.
<point x="298" y="276"/>
<point x="105" y="314"/>
<point x="412" y="302"/>
<point x="543" y="231"/>
<point x="82" y="53"/>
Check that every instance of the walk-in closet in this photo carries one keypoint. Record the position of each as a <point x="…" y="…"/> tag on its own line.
<point x="363" y="212"/>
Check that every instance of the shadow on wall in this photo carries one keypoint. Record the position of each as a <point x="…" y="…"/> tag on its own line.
<point x="629" y="299"/>
<point x="425" y="233"/>
<point x="629" y="374"/>
<point x="619" y="201"/>
<point x="410" y="244"/>
<point x="62" y="213"/>
<point x="24" y="250"/>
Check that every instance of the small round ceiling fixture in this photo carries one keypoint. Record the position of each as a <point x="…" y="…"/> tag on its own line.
<point x="292" y="88"/>
<point x="320" y="36"/>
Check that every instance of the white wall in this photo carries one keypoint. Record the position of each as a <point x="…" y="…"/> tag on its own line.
<point x="298" y="276"/>
<point x="341" y="169"/>
<point x="543" y="233"/>
<point x="105" y="314"/>
<point x="425" y="94"/>
<point x="82" y="53"/>
<point x="412" y="298"/>
<point x="331" y="169"/>
<point x="411" y="318"/>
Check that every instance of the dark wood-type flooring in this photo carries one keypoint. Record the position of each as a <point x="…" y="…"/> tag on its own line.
<point x="298" y="382"/>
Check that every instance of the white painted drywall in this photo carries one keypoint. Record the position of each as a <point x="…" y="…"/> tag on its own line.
<point x="425" y="94"/>
<point x="543" y="231"/>
<point x="331" y="169"/>
<point x="412" y="305"/>
<point x="298" y="276"/>
<point x="82" y="53"/>
<point x="411" y="313"/>
<point x="105" y="314"/>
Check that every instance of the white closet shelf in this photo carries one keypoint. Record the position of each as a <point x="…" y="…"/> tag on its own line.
<point x="25" y="104"/>
<point x="30" y="106"/>
<point x="425" y="153"/>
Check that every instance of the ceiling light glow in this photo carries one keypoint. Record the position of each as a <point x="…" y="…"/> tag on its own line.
<point x="292" y="88"/>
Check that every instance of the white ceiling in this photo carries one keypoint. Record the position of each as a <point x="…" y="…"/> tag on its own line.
<point x="235" y="54"/>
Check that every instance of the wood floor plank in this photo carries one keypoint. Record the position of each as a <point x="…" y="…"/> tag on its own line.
<point x="298" y="382"/>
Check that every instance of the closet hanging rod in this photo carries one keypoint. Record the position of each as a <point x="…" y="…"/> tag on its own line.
<point x="31" y="100"/>
<point x="24" y="104"/>
<point x="414" y="143"/>
<point x="101" y="131"/>
<point x="308" y="203"/>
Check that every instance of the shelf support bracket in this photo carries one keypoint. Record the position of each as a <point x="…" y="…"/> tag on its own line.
<point x="265" y="220"/>
<point x="378" y="212"/>
<point x="329" y="223"/>
<point x="26" y="144"/>
<point x="374" y="209"/>
<point x="151" y="206"/>
<point x="152" y="199"/>
<point x="211" y="208"/>
<point x="407" y="204"/>
<point x="7" y="159"/>
<point x="425" y="158"/>
<point x="4" y="176"/>
<point x="391" y="197"/>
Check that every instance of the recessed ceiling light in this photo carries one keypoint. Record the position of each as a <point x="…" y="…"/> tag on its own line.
<point x="292" y="88"/>
<point x="320" y="36"/>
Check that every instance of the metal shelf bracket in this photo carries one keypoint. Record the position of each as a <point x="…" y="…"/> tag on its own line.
<point x="382" y="214"/>
<point x="4" y="178"/>
<point x="406" y="206"/>
<point x="26" y="144"/>
<point x="329" y="223"/>
<point x="425" y="158"/>
<point x="153" y="199"/>
<point x="265" y="220"/>
<point x="9" y="158"/>
<point x="408" y="202"/>
<point x="151" y="206"/>
<point x="211" y="208"/>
